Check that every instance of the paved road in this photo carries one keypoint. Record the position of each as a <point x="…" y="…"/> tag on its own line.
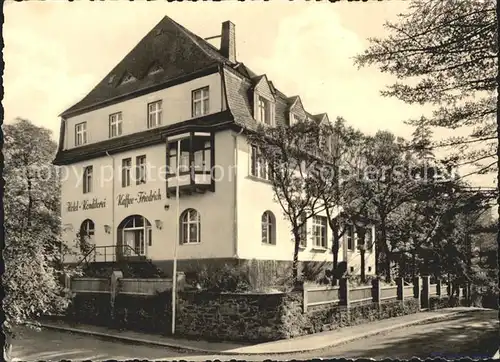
<point x="52" y="345"/>
<point x="472" y="334"/>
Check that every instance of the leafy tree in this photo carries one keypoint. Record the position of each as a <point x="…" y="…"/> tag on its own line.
<point x="287" y="153"/>
<point x="33" y="247"/>
<point x="447" y="52"/>
<point x="388" y="185"/>
<point x="336" y="180"/>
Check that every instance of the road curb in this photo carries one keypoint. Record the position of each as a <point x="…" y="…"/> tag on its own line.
<point x="241" y="351"/>
<point x="125" y="338"/>
<point x="355" y="337"/>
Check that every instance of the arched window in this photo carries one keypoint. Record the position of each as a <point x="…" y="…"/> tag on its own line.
<point x="86" y="235"/>
<point x="190" y="227"/>
<point x="87" y="229"/>
<point x="268" y="228"/>
<point x="134" y="233"/>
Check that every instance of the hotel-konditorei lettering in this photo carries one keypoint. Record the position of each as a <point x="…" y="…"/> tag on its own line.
<point x="142" y="197"/>
<point x="85" y="205"/>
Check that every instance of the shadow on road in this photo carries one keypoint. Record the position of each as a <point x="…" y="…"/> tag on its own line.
<point x="473" y="334"/>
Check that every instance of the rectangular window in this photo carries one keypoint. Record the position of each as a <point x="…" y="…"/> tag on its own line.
<point x="80" y="134"/>
<point x="294" y="119"/>
<point x="202" y="161"/>
<point x="126" y="169"/>
<point x="200" y="102"/>
<point x="259" y="167"/>
<point x="319" y="231"/>
<point x="87" y="179"/>
<point x="349" y="232"/>
<point x="196" y="155"/>
<point x="140" y="164"/>
<point x="154" y="114"/>
<point x="115" y="125"/>
<point x="254" y="162"/>
<point x="263" y="110"/>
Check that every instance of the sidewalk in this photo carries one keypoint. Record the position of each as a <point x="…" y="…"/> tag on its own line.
<point x="299" y="344"/>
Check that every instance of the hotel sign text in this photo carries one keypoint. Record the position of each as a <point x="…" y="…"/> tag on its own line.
<point x="141" y="197"/>
<point x="85" y="205"/>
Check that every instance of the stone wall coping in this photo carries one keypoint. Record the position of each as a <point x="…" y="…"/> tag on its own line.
<point x="233" y="293"/>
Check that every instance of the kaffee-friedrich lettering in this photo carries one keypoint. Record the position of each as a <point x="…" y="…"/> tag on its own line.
<point x="126" y="200"/>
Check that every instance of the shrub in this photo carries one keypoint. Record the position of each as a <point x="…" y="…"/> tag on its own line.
<point x="355" y="280"/>
<point x="94" y="308"/>
<point x="227" y="278"/>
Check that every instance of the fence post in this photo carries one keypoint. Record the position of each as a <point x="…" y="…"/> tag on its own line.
<point x="344" y="297"/>
<point x="304" y="298"/>
<point x="438" y="288"/>
<point x="344" y="292"/>
<point x="401" y="290"/>
<point x="425" y="291"/>
<point x="376" y="290"/>
<point x="114" y="290"/>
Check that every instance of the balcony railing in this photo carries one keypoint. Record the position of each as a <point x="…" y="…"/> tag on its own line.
<point x="111" y="253"/>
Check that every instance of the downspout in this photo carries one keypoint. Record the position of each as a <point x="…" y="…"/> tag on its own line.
<point x="235" y="195"/>
<point x="112" y="206"/>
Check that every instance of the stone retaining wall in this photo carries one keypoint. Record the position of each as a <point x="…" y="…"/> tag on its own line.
<point x="230" y="316"/>
<point x="267" y="317"/>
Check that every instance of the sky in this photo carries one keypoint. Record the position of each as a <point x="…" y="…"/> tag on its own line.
<point x="56" y="52"/>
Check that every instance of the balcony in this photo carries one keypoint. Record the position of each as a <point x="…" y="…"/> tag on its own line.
<point x="196" y="162"/>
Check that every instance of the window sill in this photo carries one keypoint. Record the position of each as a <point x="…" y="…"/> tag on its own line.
<point x="268" y="244"/>
<point x="263" y="180"/>
<point x="319" y="249"/>
<point x="197" y="243"/>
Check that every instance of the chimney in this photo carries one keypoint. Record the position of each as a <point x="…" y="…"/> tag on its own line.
<point x="228" y="41"/>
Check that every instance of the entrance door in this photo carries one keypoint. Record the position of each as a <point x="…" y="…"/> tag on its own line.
<point x="128" y="241"/>
<point x="139" y="244"/>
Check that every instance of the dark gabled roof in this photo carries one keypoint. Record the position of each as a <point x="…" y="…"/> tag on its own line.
<point x="169" y="45"/>
<point x="181" y="55"/>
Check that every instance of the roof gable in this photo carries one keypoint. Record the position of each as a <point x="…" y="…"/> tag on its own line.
<point x="262" y="87"/>
<point x="169" y="45"/>
<point x="322" y="118"/>
<point x="296" y="107"/>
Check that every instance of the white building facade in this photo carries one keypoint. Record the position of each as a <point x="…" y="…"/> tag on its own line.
<point x="118" y="148"/>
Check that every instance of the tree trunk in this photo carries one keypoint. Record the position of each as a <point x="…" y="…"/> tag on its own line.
<point x="361" y="231"/>
<point x="295" y="264"/>
<point x="363" y="275"/>
<point x="413" y="263"/>
<point x="335" y="250"/>
<point x="388" y="268"/>
<point x="383" y="244"/>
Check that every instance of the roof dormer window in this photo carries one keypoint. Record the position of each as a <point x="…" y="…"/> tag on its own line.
<point x="263" y="101"/>
<point x="127" y="78"/>
<point x="264" y="111"/>
<point x="294" y="119"/>
<point x="155" y="68"/>
<point x="111" y="79"/>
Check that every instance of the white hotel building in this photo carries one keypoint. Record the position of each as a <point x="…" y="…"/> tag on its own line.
<point x="118" y="141"/>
